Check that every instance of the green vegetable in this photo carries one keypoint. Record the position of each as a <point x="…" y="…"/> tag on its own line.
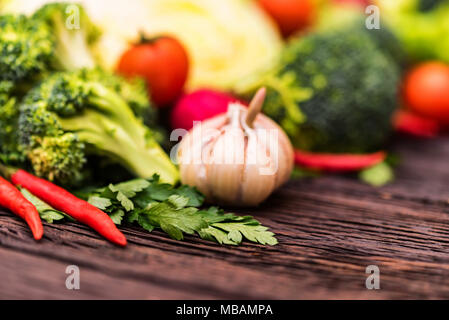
<point x="176" y="211"/>
<point x="74" y="114"/>
<point x="333" y="91"/>
<point x="46" y="212"/>
<point x="226" y="40"/>
<point x="421" y="25"/>
<point x="25" y="50"/>
<point x="336" y="15"/>
<point x="73" y="35"/>
<point x="377" y="175"/>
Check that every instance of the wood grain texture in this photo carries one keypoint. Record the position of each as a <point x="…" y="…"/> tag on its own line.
<point x="329" y="229"/>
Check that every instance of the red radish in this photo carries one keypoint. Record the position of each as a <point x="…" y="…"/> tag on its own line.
<point x="198" y="106"/>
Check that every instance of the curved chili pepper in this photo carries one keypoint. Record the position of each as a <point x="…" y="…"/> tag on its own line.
<point x="413" y="124"/>
<point x="66" y="202"/>
<point x="338" y="162"/>
<point x="12" y="199"/>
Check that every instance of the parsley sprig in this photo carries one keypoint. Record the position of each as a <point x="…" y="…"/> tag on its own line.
<point x="176" y="211"/>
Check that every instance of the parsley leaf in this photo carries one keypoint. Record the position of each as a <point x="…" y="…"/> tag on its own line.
<point x="46" y="212"/>
<point x="175" y="210"/>
<point x="173" y="217"/>
<point x="99" y="202"/>
<point x="117" y="216"/>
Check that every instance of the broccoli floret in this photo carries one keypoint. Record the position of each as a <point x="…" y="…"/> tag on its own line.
<point x="71" y="113"/>
<point x="25" y="48"/>
<point x="58" y="158"/>
<point x="9" y="149"/>
<point x="334" y="91"/>
<point x="135" y="93"/>
<point x="334" y="15"/>
<point x="134" y="90"/>
<point x="73" y="32"/>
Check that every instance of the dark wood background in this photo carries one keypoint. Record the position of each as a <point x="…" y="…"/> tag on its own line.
<point x="329" y="229"/>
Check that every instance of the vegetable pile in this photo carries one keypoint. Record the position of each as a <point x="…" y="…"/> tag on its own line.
<point x="59" y="110"/>
<point x="176" y="210"/>
<point x="333" y="91"/>
<point x="85" y="102"/>
<point x="64" y="118"/>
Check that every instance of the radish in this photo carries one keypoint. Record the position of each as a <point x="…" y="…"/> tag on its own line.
<point x="198" y="106"/>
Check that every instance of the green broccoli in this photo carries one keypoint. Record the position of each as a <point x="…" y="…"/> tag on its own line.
<point x="25" y="48"/>
<point x="73" y="32"/>
<point x="333" y="91"/>
<point x="9" y="149"/>
<point x="72" y="114"/>
<point x="25" y="51"/>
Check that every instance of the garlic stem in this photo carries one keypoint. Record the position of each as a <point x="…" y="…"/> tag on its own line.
<point x="255" y="106"/>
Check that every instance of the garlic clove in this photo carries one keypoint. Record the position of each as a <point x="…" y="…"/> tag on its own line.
<point x="284" y="150"/>
<point x="227" y="164"/>
<point x="257" y="186"/>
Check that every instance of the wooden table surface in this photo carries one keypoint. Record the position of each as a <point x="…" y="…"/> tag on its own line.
<point x="329" y="229"/>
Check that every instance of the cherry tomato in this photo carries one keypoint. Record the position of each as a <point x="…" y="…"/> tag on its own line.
<point x="290" y="15"/>
<point x="426" y="90"/>
<point x="163" y="62"/>
<point x="361" y="3"/>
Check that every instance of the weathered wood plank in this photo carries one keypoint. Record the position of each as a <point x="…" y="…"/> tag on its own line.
<point x="329" y="228"/>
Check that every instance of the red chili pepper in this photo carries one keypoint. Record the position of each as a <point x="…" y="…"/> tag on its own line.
<point x="12" y="199"/>
<point x="64" y="201"/>
<point x="338" y="162"/>
<point x="413" y="124"/>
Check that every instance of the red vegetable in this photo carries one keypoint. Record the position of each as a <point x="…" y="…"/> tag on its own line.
<point x="64" y="201"/>
<point x="290" y="15"/>
<point x="12" y="199"/>
<point x="426" y="90"/>
<point x="198" y="106"/>
<point x="361" y="3"/>
<point x="162" y="62"/>
<point x="413" y="124"/>
<point x="338" y="162"/>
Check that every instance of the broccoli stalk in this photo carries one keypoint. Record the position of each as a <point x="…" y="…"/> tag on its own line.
<point x="82" y="116"/>
<point x="113" y="130"/>
<point x="73" y="41"/>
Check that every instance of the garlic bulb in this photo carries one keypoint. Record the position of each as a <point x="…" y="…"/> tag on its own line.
<point x="237" y="158"/>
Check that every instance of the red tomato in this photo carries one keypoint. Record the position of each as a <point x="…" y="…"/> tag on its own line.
<point x="426" y="90"/>
<point x="362" y="3"/>
<point x="290" y="15"/>
<point x="163" y="62"/>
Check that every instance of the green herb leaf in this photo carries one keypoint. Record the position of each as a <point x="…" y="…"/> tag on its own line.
<point x="130" y="188"/>
<point x="162" y="191"/>
<point x="125" y="201"/>
<point x="174" y="219"/>
<point x="100" y="202"/>
<point x="117" y="216"/>
<point x="377" y="175"/>
<point x="46" y="212"/>
<point x="213" y="234"/>
<point x="152" y="205"/>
